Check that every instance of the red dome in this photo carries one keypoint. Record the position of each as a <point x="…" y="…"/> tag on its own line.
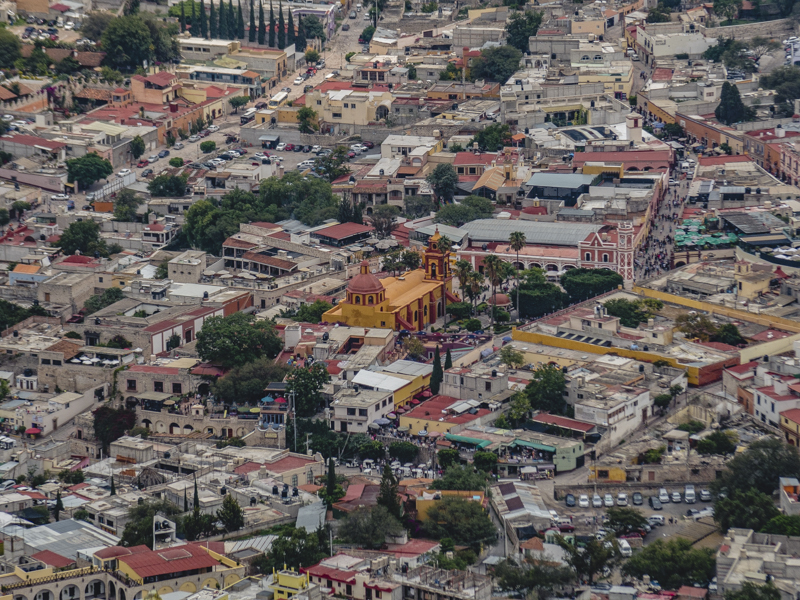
<point x="501" y="300"/>
<point x="365" y="282"/>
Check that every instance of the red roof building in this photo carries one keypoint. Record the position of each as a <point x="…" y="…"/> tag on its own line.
<point x="563" y="423"/>
<point x="151" y="567"/>
<point x="343" y="234"/>
<point x="52" y="559"/>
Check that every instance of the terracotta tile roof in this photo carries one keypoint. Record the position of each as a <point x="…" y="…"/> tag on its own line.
<point x="564" y="422"/>
<point x="90" y="59"/>
<point x="27" y="269"/>
<point x="94" y="94"/>
<point x="32" y="140"/>
<point x="6" y="94"/>
<point x="49" y="557"/>
<point x="117" y="551"/>
<point x="60" y="7"/>
<point x="343" y="230"/>
<point x="161" y="78"/>
<point x="58" y="54"/>
<point x="271" y="261"/>
<point x="68" y="348"/>
<point x="288" y="463"/>
<point x="745" y="368"/>
<point x="189" y="557"/>
<point x="793" y="414"/>
<point x="246" y="468"/>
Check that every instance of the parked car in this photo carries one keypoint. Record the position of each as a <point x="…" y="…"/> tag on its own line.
<point x="299" y="80"/>
<point x="163" y="154"/>
<point x="352" y="14"/>
<point x="213" y="128"/>
<point x="622" y="499"/>
<point x="608" y="500"/>
<point x="705" y="496"/>
<point x="583" y="501"/>
<point x="663" y="496"/>
<point x="152" y="159"/>
<point x="656" y="520"/>
<point x="655" y="503"/>
<point x="570" y="500"/>
<point x="124" y="172"/>
<point x="351" y="154"/>
<point x="676" y="497"/>
<point x="60" y="197"/>
<point x="142" y="163"/>
<point x="637" y="498"/>
<point x="306" y="149"/>
<point x="369" y="145"/>
<point x="346" y="27"/>
<point x="147" y="172"/>
<point x="298" y="148"/>
<point x="280" y="147"/>
<point x="566" y="527"/>
<point x="178" y="146"/>
<point x="316" y="148"/>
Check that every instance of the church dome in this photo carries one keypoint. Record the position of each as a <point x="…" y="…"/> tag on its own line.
<point x="365" y="282"/>
<point x="501" y="300"/>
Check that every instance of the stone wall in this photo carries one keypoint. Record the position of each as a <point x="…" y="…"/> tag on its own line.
<point x="778" y="29"/>
<point x="560" y="490"/>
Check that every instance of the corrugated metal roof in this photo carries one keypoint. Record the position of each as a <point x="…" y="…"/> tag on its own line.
<point x="554" y="234"/>
<point x="560" y="180"/>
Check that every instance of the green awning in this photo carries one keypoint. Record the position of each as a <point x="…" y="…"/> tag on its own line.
<point x="533" y="445"/>
<point x="462" y="439"/>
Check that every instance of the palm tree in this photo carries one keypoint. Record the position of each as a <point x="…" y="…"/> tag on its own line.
<point x="492" y="268"/>
<point x="474" y="285"/>
<point x="517" y="242"/>
<point x="462" y="270"/>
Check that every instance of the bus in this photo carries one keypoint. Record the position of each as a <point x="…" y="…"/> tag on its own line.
<point x="248" y="116"/>
<point x="278" y="99"/>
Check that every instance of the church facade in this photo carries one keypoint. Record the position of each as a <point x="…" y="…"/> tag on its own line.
<point x="411" y="301"/>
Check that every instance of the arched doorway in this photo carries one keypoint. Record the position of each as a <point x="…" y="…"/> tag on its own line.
<point x="174" y="428"/>
<point x="95" y="589"/>
<point x="71" y="592"/>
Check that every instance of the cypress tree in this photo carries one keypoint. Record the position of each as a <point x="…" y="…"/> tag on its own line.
<point x="203" y="22"/>
<point x="330" y="488"/>
<point x="212" y="22"/>
<point x="233" y="27"/>
<point x="239" y="21"/>
<point x="290" y="35"/>
<point x="448" y="361"/>
<point x="185" y="501"/>
<point x="300" y="38"/>
<point x="262" y="29"/>
<point x="113" y="487"/>
<point x="358" y="216"/>
<point x="281" y="27"/>
<point x="193" y="22"/>
<point x="438" y="374"/>
<point x="59" y="506"/>
<point x="271" y="26"/>
<point x="253" y="30"/>
<point x="222" y="28"/>
<point x="196" y="506"/>
<point x="183" y="19"/>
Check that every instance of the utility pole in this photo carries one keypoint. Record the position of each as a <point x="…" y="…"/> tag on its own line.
<point x="294" y="419"/>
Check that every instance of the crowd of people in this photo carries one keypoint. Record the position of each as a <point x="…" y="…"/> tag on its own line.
<point x="656" y="254"/>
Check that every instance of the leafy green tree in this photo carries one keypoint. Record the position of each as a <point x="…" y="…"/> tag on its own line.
<point x="372" y="449"/>
<point x="213" y="21"/>
<point x="752" y="591"/>
<point x="727" y="8"/>
<point x="443" y="180"/>
<point x="307" y="384"/>
<point x="405" y="452"/>
<point x="310" y="199"/>
<point x="417" y="206"/>
<point x="83" y="236"/>
<point x="5" y="218"/>
<point x="59" y="507"/>
<point x="137" y="147"/>
<point x="492" y="138"/>
<point x="307" y="120"/>
<point x="673" y="563"/>
<point x="139" y="529"/>
<point x="388" y="497"/>
<point x="290" y="30"/>
<point x="468" y="210"/>
<point x="582" y="284"/>
<point x="11" y="314"/>
<point x="448" y="360"/>
<point x="520" y="27"/>
<point x="760" y="467"/>
<point x="463" y="521"/>
<point x="511" y="357"/>
<point x="447" y="457"/>
<point x="87" y="169"/>
<point x="632" y="312"/>
<point x="127" y="42"/>
<point x="125" y="205"/>
<point x="237" y="339"/>
<point x="718" y="442"/>
<point x="538" y="297"/>
<point x="459" y="310"/>
<point x="208" y="146"/>
<point x="786" y="83"/>
<point x="463" y="478"/>
<point x="592" y="558"/>
<point x="747" y="510"/>
<point x="312" y="56"/>
<point x="414" y="347"/>
<point x="203" y="21"/>
<point x="312" y="313"/>
<point x="95" y="23"/>
<point x="111" y="424"/>
<point x="367" y="34"/>
<point x="238" y="101"/>
<point x="176" y="162"/>
<point x="333" y="492"/>
<point x="729" y="334"/>
<point x="438" y="373"/>
<point x="659" y="14"/>
<point x="540" y="578"/>
<point x="783" y="525"/>
<point x="334" y="166"/>
<point x="99" y="302"/>
<point x="496" y="64"/>
<point x="167" y="186"/>
<point x="369" y="526"/>
<point x="231" y="514"/>
<point x="246" y="383"/>
<point x="485" y="461"/>
<point x="9" y="49"/>
<point x="313" y="28"/>
<point x="295" y="547"/>
<point x="520" y="407"/>
<point x="662" y="401"/>
<point x="384" y="219"/>
<point x="731" y="109"/>
<point x="545" y="390"/>
<point x="624" y="520"/>
<point x="68" y="66"/>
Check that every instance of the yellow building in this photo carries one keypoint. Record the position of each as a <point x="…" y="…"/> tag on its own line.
<point x="287" y="583"/>
<point x="751" y="284"/>
<point x="616" y="78"/>
<point x="411" y="301"/>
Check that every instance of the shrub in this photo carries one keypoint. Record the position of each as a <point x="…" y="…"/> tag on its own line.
<point x="208" y="146"/>
<point x="177" y="161"/>
<point x="473" y="325"/>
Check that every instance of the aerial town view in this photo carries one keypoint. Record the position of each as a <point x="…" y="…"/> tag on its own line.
<point x="399" y="300"/>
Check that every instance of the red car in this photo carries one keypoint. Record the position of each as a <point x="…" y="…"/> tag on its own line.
<point x="289" y="147"/>
<point x="369" y="145"/>
<point x="142" y="163"/>
<point x="351" y="154"/>
<point x="566" y="528"/>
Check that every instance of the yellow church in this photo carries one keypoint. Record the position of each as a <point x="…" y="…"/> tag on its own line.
<point x="411" y="301"/>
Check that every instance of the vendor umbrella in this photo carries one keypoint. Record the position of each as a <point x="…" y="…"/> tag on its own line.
<point x="373" y="426"/>
<point x="280" y="400"/>
<point x="381" y="421"/>
<point x="427" y="394"/>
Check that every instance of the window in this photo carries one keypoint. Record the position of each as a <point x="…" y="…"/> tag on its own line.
<point x="176" y="388"/>
<point x="294" y="480"/>
<point x="101" y="280"/>
<point x="588" y="256"/>
<point x="346" y="105"/>
<point x="158" y="386"/>
<point x="605" y="257"/>
<point x="45" y="361"/>
<point x="351" y="412"/>
<point x="362" y="412"/>
<point x="336" y="115"/>
<point x="319" y="102"/>
<point x="56" y="363"/>
<point x="488" y="386"/>
<point x="132" y="385"/>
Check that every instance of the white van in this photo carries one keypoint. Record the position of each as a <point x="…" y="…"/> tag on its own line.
<point x="663" y="496"/>
<point x="625" y="548"/>
<point x="688" y="494"/>
<point x="358" y="7"/>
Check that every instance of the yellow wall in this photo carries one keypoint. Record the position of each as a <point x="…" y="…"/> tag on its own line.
<point x="597" y="169"/>
<point x="659" y="112"/>
<point x="614" y="473"/>
<point x="610" y="83"/>
<point x="125" y="568"/>
<point x="432" y="425"/>
<point x="549" y="340"/>
<point x="597" y="27"/>
<point x="287" y="114"/>
<point x="288" y="583"/>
